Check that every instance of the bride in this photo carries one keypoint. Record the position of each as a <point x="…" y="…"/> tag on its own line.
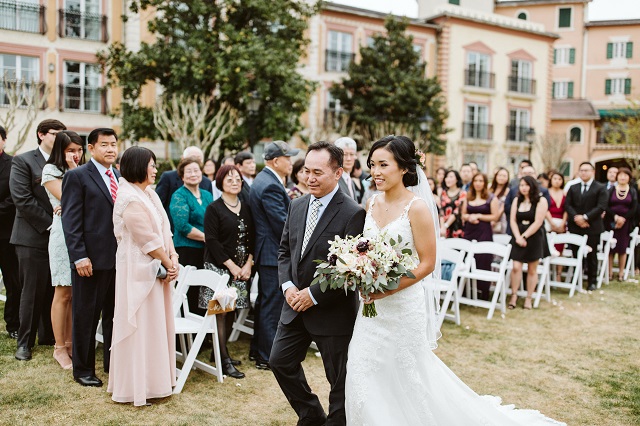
<point x="393" y="377"/>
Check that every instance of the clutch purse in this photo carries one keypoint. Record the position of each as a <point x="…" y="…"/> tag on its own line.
<point x="162" y="273"/>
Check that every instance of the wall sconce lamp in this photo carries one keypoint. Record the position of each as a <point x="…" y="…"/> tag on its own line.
<point x="52" y="67"/>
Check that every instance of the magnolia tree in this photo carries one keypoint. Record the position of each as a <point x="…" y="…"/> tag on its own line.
<point x="624" y="132"/>
<point x="552" y="149"/>
<point x="27" y="97"/>
<point x="195" y="121"/>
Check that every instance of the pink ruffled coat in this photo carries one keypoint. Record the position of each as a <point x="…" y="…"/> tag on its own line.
<point x="143" y="356"/>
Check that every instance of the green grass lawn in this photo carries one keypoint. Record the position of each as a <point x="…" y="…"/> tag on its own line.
<point x="576" y="360"/>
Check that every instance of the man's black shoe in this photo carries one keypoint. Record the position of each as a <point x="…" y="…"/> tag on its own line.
<point x="89" y="381"/>
<point x="253" y="356"/>
<point x="23" y="353"/>
<point x="592" y="287"/>
<point x="261" y="364"/>
<point x="13" y="334"/>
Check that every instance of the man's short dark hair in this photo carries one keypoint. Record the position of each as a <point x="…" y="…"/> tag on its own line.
<point x="465" y="165"/>
<point x="336" y="154"/>
<point x="527" y="162"/>
<point x="48" y="124"/>
<point x="135" y="163"/>
<point x="103" y="131"/>
<point x="586" y="163"/>
<point x="241" y="157"/>
<point x="3" y="133"/>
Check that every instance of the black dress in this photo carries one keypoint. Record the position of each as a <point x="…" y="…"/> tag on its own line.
<point x="537" y="246"/>
<point x="227" y="236"/>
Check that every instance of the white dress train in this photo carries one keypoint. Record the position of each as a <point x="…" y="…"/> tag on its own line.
<point x="394" y="378"/>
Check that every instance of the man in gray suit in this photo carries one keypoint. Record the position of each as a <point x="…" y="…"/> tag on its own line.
<point x="350" y="150"/>
<point x="309" y="314"/>
<point x="30" y="236"/>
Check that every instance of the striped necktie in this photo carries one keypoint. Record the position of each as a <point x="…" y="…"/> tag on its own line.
<point x="311" y="223"/>
<point x="113" y="186"/>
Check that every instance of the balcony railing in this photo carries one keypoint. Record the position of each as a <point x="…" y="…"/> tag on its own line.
<point x="477" y="78"/>
<point x="85" y="26"/>
<point x="333" y="118"/>
<point x="473" y="130"/>
<point x="82" y="98"/>
<point x="522" y="85"/>
<point x="23" y="91"/>
<point x="337" y="61"/>
<point x="20" y="16"/>
<point x="517" y="133"/>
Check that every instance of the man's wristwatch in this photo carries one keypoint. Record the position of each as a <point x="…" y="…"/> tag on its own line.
<point x="585" y="217"/>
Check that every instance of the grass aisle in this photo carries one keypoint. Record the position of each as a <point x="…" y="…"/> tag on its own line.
<point x="575" y="360"/>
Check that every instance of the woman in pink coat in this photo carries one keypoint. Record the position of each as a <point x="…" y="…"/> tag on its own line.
<point x="143" y="362"/>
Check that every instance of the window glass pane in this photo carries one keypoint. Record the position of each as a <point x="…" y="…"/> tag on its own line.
<point x="522" y="16"/>
<point x="8" y="66"/>
<point x="575" y="134"/>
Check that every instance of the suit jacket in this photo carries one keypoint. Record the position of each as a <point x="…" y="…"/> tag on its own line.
<point x="592" y="203"/>
<point x="336" y="311"/>
<point x="345" y="188"/>
<point x="269" y="206"/>
<point x="7" y="208"/>
<point x="34" y="213"/>
<point x="87" y="217"/>
<point x="169" y="182"/>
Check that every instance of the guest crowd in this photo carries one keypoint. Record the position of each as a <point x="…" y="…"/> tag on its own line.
<point x="83" y="240"/>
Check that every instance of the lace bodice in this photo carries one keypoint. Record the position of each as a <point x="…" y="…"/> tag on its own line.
<point x="401" y="226"/>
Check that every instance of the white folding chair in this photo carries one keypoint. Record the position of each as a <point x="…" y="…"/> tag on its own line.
<point x="471" y="274"/>
<point x="447" y="290"/>
<point x="629" y="270"/>
<point x="3" y="298"/>
<point x="192" y="323"/>
<point x="179" y="295"/>
<point x="242" y="324"/>
<point x="503" y="239"/>
<point x="604" y="248"/>
<point x="574" y="264"/>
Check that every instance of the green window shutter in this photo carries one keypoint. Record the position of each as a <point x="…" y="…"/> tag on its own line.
<point x="607" y="86"/>
<point x="456" y="2"/>
<point x="564" y="18"/>
<point x="627" y="86"/>
<point x="629" y="49"/>
<point x="572" y="56"/>
<point x="570" y="90"/>
<point x="609" y="50"/>
<point x="555" y="56"/>
<point x="553" y="91"/>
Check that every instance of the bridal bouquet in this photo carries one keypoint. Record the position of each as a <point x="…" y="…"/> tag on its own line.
<point x="369" y="265"/>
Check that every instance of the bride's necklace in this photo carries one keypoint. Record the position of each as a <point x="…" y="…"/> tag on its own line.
<point x="621" y="193"/>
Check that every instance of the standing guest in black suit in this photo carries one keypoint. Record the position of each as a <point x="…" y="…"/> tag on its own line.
<point x="586" y="200"/>
<point x="308" y="313"/>
<point x="246" y="164"/>
<point x="88" y="195"/>
<point x="30" y="236"/>
<point x="170" y="181"/>
<point x="269" y="206"/>
<point x="8" y="259"/>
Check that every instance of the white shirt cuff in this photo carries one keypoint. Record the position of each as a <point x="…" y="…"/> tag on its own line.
<point x="311" y="296"/>
<point x="80" y="260"/>
<point x="286" y="286"/>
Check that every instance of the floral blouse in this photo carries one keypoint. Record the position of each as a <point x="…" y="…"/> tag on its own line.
<point x="451" y="206"/>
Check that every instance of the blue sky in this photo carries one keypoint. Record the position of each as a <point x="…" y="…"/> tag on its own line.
<point x="598" y="9"/>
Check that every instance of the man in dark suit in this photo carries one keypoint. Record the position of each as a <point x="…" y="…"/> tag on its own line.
<point x="88" y="195"/>
<point x="269" y="206"/>
<point x="170" y="181"/>
<point x="350" y="150"/>
<point x="309" y="314"/>
<point x="8" y="259"/>
<point x="30" y="236"/>
<point x="586" y="200"/>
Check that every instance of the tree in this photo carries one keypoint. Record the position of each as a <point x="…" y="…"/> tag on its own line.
<point x="189" y="121"/>
<point x="388" y="91"/>
<point x="623" y="130"/>
<point x="222" y="49"/>
<point x="26" y="96"/>
<point x="552" y="149"/>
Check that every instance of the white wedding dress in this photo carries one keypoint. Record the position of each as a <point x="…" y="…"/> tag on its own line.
<point x="394" y="378"/>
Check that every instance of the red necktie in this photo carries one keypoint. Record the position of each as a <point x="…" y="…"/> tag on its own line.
<point x="113" y="186"/>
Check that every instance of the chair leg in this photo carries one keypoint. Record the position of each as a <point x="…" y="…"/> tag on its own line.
<point x="242" y="316"/>
<point x="494" y="300"/>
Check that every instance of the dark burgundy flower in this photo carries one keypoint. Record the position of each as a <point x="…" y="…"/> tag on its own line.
<point x="333" y="259"/>
<point x="363" y="246"/>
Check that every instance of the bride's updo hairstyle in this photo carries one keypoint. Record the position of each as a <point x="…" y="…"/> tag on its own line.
<point x="404" y="152"/>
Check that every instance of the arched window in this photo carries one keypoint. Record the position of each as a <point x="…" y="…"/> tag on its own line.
<point x="523" y="16"/>
<point x="575" y="134"/>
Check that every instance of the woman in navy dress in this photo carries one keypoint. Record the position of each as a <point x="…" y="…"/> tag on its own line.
<point x="623" y="202"/>
<point x="529" y="241"/>
<point x="479" y="209"/>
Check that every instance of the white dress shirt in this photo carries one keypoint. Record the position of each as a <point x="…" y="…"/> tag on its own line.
<point x="44" y="154"/>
